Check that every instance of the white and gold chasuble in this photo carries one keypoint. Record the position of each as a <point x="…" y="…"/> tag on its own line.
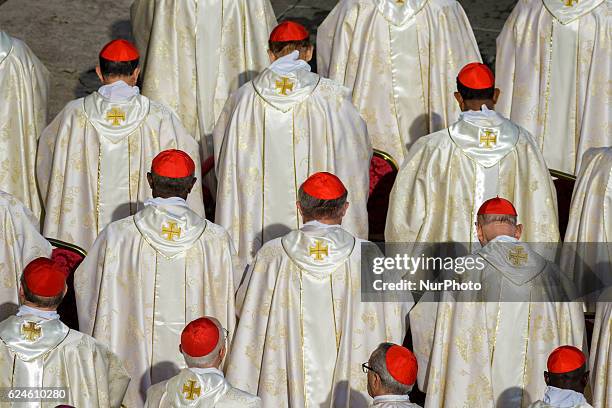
<point x="554" y="66"/>
<point x="20" y="243"/>
<point x="93" y="161"/>
<point x="490" y="348"/>
<point x="198" y="52"/>
<point x="199" y="387"/>
<point x="600" y="364"/>
<point x="400" y="59"/>
<point x="38" y="352"/>
<point x="393" y="401"/>
<point x="449" y="174"/>
<point x="24" y="85"/>
<point x="304" y="331"/>
<point x="145" y="278"/>
<point x="274" y="132"/>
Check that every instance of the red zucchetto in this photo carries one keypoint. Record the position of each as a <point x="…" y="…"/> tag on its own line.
<point x="45" y="278"/>
<point x="401" y="364"/>
<point x="200" y="337"/>
<point x="289" y="31"/>
<point x="497" y="206"/>
<point x="119" y="51"/>
<point x="565" y="359"/>
<point x="173" y="164"/>
<point x="476" y="76"/>
<point x="324" y="186"/>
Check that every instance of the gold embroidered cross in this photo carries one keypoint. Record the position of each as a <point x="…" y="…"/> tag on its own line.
<point x="284" y="86"/>
<point x="489" y="138"/>
<point x="518" y="256"/>
<point x="115" y="115"/>
<point x="171" y="231"/>
<point x="570" y="3"/>
<point x="31" y="331"/>
<point x="318" y="251"/>
<point x="399" y="1"/>
<point x="191" y="391"/>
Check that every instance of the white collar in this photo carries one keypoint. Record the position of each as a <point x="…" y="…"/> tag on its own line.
<point x="561" y="398"/>
<point x="318" y="224"/>
<point x="504" y="238"/>
<point x="209" y="370"/>
<point x="289" y="63"/>
<point x="162" y="202"/>
<point x="482" y="118"/>
<point x="391" y="397"/>
<point x="118" y="91"/>
<point x="32" y="311"/>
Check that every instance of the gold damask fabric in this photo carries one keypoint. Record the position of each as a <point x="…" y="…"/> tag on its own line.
<point x="198" y="52"/>
<point x="400" y="62"/>
<point x="24" y="86"/>
<point x="493" y="352"/>
<point x="270" y="138"/>
<point x="273" y="353"/>
<point x="601" y="355"/>
<point x="20" y="243"/>
<point x="554" y="71"/>
<point x="89" y="178"/>
<point x="92" y="375"/>
<point x="443" y="182"/>
<point x="136" y="297"/>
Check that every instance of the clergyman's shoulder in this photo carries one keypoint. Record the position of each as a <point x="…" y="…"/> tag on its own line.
<point x="236" y="396"/>
<point x="329" y="86"/>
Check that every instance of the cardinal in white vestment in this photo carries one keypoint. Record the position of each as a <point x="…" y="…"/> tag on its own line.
<point x="20" y="243"/>
<point x="488" y="348"/>
<point x="277" y="130"/>
<point x="94" y="157"/>
<point x="202" y="384"/>
<point x="399" y="58"/>
<point x="601" y="352"/>
<point x="566" y="380"/>
<point x="198" y="52"/>
<point x="392" y="372"/>
<point x="148" y="275"/>
<point x="554" y="63"/>
<point x="24" y="86"/>
<point x="304" y="331"/>
<point x="37" y="350"/>
<point x="447" y="175"/>
<point x="588" y="239"/>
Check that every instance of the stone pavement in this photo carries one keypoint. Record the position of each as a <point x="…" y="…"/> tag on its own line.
<point x="67" y="34"/>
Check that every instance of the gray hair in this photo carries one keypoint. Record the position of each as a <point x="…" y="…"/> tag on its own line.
<point x="484" y="219"/>
<point x="317" y="208"/>
<point x="209" y="359"/>
<point x="378" y="363"/>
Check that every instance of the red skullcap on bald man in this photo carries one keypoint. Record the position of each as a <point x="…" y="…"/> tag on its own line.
<point x="476" y="76"/>
<point x="401" y="364"/>
<point x="289" y="31"/>
<point x="44" y="277"/>
<point x="200" y="337"/>
<point x="497" y="206"/>
<point x="565" y="359"/>
<point x="173" y="164"/>
<point x="119" y="51"/>
<point x="324" y="186"/>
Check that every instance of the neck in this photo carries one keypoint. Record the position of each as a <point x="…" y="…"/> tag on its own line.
<point x="475" y="105"/>
<point x="112" y="80"/>
<point x="160" y="195"/>
<point x="34" y="306"/>
<point x="327" y="221"/>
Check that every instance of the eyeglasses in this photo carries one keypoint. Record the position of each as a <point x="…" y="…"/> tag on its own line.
<point x="365" y="368"/>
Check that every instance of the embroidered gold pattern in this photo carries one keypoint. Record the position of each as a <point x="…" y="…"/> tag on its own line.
<point x="518" y="256"/>
<point x="31" y="331"/>
<point x="171" y="231"/>
<point x="190" y="390"/>
<point x="284" y="86"/>
<point x="319" y="250"/>
<point x="115" y="115"/>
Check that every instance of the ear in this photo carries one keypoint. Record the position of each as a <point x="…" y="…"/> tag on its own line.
<point x="222" y="352"/>
<point x="150" y="180"/>
<point x="518" y="231"/>
<point x="21" y="292"/>
<point x="99" y="73"/>
<point x="460" y="101"/>
<point x="496" y="95"/>
<point x="479" y="232"/>
<point x="271" y="56"/>
<point x="345" y="208"/>
<point x="299" y="207"/>
<point x="136" y="74"/>
<point x="309" y="53"/>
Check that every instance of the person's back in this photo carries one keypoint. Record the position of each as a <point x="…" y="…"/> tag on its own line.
<point x="38" y="350"/>
<point x="277" y="130"/>
<point x="94" y="156"/>
<point x="24" y="85"/>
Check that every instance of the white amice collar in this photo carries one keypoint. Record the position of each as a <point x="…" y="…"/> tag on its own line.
<point x="162" y="202"/>
<point x="118" y="91"/>
<point x="504" y="238"/>
<point x="561" y="398"/>
<point x="318" y="224"/>
<point x="386" y="398"/>
<point x="289" y="63"/>
<point x="203" y="371"/>
<point x="32" y="311"/>
<point x="482" y="118"/>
